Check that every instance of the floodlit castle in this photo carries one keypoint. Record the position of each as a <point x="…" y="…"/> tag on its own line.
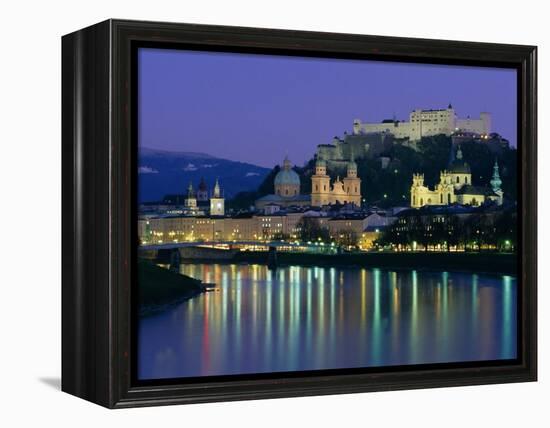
<point x="455" y="186"/>
<point x="347" y="190"/>
<point x="425" y="123"/>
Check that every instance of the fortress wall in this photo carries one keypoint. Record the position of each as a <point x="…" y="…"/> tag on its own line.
<point x="326" y="152"/>
<point x="479" y="126"/>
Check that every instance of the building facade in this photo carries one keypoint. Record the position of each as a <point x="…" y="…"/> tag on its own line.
<point x="343" y="191"/>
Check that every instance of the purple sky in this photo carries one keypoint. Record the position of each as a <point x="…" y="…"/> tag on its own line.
<point x="258" y="108"/>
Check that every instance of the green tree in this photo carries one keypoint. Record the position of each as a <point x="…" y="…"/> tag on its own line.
<point x="347" y="238"/>
<point x="311" y="230"/>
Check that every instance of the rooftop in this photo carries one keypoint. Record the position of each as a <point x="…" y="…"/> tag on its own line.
<point x="474" y="190"/>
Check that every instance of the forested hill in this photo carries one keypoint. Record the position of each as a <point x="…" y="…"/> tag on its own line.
<point x="163" y="172"/>
<point x="389" y="185"/>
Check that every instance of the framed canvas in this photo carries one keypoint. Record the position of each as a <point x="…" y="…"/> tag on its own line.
<point x="253" y="213"/>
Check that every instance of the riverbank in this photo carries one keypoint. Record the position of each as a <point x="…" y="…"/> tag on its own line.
<point x="160" y="288"/>
<point x="504" y="263"/>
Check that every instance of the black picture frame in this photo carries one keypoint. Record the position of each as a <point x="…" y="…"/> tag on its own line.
<point x="98" y="192"/>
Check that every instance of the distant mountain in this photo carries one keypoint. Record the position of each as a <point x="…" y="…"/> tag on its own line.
<point x="163" y="172"/>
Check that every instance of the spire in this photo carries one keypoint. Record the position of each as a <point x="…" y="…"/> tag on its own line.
<point x="459" y="153"/>
<point x="217" y="192"/>
<point x="286" y="164"/>
<point x="190" y="192"/>
<point x="202" y="184"/>
<point x="450" y="106"/>
<point x="496" y="182"/>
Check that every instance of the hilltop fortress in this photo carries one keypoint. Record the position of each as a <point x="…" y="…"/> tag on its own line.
<point x="426" y="123"/>
<point x="371" y="139"/>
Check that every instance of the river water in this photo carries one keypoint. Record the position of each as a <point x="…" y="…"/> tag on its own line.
<point x="310" y="318"/>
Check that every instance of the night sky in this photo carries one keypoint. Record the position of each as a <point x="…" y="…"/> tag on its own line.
<point x="258" y="108"/>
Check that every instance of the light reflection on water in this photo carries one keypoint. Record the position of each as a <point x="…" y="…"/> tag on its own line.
<point x="310" y="318"/>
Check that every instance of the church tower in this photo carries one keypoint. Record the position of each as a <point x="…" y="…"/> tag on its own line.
<point x="496" y="184"/>
<point x="191" y="200"/>
<point x="352" y="184"/>
<point x="459" y="171"/>
<point x="217" y="202"/>
<point x="320" y="185"/>
<point x="202" y="192"/>
<point x="417" y="190"/>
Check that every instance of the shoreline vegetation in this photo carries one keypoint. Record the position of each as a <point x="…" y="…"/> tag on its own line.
<point x="479" y="262"/>
<point x="160" y="288"/>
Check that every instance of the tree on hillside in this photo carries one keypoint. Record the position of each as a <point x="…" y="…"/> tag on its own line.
<point x="435" y="154"/>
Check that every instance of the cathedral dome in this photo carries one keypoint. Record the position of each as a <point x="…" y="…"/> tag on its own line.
<point x="287" y="176"/>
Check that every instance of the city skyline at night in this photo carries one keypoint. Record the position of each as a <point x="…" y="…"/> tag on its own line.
<point x="299" y="214"/>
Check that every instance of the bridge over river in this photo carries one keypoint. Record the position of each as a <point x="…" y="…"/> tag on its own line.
<point x="305" y="246"/>
<point x="174" y="252"/>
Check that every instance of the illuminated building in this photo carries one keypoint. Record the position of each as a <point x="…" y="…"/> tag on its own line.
<point x="287" y="190"/>
<point x="455" y="186"/>
<point x="343" y="191"/>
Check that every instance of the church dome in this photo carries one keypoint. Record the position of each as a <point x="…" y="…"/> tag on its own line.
<point x="458" y="166"/>
<point x="287" y="176"/>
